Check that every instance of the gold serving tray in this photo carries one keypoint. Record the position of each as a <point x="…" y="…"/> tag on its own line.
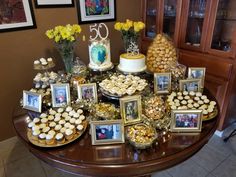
<point x="76" y="136"/>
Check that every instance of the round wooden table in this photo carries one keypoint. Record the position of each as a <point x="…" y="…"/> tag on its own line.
<point x="80" y="157"/>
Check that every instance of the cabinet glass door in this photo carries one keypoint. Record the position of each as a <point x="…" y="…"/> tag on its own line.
<point x="195" y="21"/>
<point x="151" y="16"/>
<point x="225" y="25"/>
<point x="169" y="19"/>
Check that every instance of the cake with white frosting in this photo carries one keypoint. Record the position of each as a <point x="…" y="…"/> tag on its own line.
<point x="132" y="63"/>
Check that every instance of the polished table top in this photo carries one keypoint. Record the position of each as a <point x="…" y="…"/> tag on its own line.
<point x="80" y="157"/>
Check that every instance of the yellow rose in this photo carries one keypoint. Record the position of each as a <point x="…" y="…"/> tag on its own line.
<point x="49" y="34"/>
<point x="57" y="38"/>
<point x="64" y="33"/>
<point x="125" y="27"/>
<point x="118" y="26"/>
<point x="141" y="25"/>
<point x="136" y="27"/>
<point x="129" y="23"/>
<point x="76" y="28"/>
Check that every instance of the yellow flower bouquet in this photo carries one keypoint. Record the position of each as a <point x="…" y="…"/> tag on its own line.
<point x="130" y="31"/>
<point x="65" y="38"/>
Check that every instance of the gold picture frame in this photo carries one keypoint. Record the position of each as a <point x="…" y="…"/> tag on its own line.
<point x="32" y="101"/>
<point x="162" y="83"/>
<point x="197" y="73"/>
<point x="186" y="121"/>
<point x="107" y="132"/>
<point x="133" y="105"/>
<point x="60" y="95"/>
<point x="91" y="92"/>
<point x="190" y="85"/>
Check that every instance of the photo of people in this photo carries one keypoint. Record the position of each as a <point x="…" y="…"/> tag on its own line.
<point x="60" y="95"/>
<point x="197" y="74"/>
<point x="106" y="132"/>
<point x="87" y="93"/>
<point x="33" y="101"/>
<point x="131" y="110"/>
<point x="186" y="120"/>
<point x="162" y="83"/>
<point x="191" y="86"/>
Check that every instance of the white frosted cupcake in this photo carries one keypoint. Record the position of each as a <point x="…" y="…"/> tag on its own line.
<point x="79" y="127"/>
<point x="68" y="109"/>
<point x="57" y="115"/>
<point x="52" y="132"/>
<point x="176" y="101"/>
<point x="190" y="101"/>
<point x="42" y="126"/>
<point x="62" y="122"/>
<point x="64" y="114"/>
<point x="185" y="93"/>
<point x="43" y="115"/>
<point x="200" y="102"/>
<point x="82" y="117"/>
<point x="46" y="129"/>
<point x="76" y="115"/>
<point x="196" y="105"/>
<point x="78" y="121"/>
<point x="199" y="94"/>
<point x="35" y="134"/>
<point x="50" y="140"/>
<point x="60" y="110"/>
<point x="50" y="117"/>
<point x="179" y="93"/>
<point x="203" y="97"/>
<point x="213" y="103"/>
<point x="30" y="125"/>
<point x="192" y="93"/>
<point x="35" y="127"/>
<point x="177" y="104"/>
<point x="58" y="127"/>
<point x="190" y="106"/>
<point x="52" y="124"/>
<point x="69" y="134"/>
<point x="67" y="125"/>
<point x="67" y="118"/>
<point x="44" y="120"/>
<point x="196" y="98"/>
<point x="180" y="98"/>
<point x="36" y="120"/>
<point x="52" y="112"/>
<point x="63" y="130"/>
<point x="206" y="101"/>
<point x="71" y="113"/>
<point x="183" y="102"/>
<point x="80" y="111"/>
<point x="72" y="120"/>
<point x="187" y="97"/>
<point x="60" y="138"/>
<point x="42" y="138"/>
<point x="57" y="119"/>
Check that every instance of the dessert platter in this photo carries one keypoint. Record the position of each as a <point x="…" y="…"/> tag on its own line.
<point x="120" y="85"/>
<point x="58" y="127"/>
<point x="144" y="112"/>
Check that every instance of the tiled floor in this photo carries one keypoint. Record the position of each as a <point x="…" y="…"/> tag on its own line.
<point x="216" y="159"/>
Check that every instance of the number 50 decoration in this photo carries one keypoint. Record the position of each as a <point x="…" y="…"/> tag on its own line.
<point x="96" y="28"/>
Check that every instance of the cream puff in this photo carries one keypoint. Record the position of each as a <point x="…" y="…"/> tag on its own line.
<point x="52" y="124"/>
<point x="50" y="117"/>
<point x="79" y="127"/>
<point x="50" y="140"/>
<point x="42" y="138"/>
<point x="69" y="134"/>
<point x="36" y="120"/>
<point x="46" y="129"/>
<point x="58" y="127"/>
<point x="35" y="134"/>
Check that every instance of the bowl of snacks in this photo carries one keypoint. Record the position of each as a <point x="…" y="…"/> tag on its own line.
<point x="141" y="135"/>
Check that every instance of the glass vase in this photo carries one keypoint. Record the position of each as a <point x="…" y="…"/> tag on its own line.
<point x="128" y="40"/>
<point x="66" y="51"/>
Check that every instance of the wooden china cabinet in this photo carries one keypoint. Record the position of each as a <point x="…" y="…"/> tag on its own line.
<point x="205" y="33"/>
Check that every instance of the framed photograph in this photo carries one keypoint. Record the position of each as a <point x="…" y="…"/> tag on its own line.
<point x="197" y="73"/>
<point x="60" y="95"/>
<point x="190" y="85"/>
<point x="32" y="101"/>
<point x="88" y="92"/>
<point x="103" y="153"/>
<point x="91" y="11"/>
<point x="53" y="3"/>
<point x="16" y="15"/>
<point x="186" y="120"/>
<point x="131" y="109"/>
<point x="107" y="132"/>
<point x="162" y="83"/>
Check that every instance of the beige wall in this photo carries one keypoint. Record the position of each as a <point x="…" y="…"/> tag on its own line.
<point x="19" y="49"/>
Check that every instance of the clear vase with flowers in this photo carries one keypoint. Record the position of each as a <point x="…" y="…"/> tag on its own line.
<point x="65" y="38"/>
<point x="130" y="31"/>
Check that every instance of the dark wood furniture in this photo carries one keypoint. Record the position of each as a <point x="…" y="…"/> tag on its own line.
<point x="205" y="33"/>
<point x="80" y="157"/>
